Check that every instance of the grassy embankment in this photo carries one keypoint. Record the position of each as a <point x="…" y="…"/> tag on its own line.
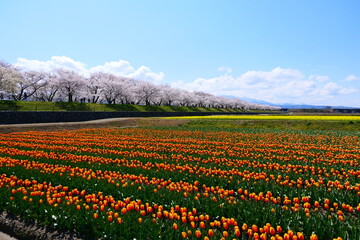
<point x="66" y="106"/>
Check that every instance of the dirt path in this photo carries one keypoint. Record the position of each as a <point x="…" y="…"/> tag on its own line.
<point x="14" y="228"/>
<point x="4" y="236"/>
<point x="101" y="123"/>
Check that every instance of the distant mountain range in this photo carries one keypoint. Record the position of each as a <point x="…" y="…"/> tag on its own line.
<point x="292" y="106"/>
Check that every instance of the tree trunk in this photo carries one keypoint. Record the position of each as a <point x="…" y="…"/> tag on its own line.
<point x="70" y="97"/>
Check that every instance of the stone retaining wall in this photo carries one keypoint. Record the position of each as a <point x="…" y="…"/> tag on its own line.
<point x="50" y="117"/>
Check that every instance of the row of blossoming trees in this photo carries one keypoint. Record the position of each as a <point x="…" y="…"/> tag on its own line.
<point x="100" y="87"/>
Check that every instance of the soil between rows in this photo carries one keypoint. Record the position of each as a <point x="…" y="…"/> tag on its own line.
<point x="13" y="227"/>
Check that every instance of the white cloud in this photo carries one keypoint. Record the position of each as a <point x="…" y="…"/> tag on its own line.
<point x="224" y="69"/>
<point x="120" y="68"/>
<point x="32" y="65"/>
<point x="54" y="63"/>
<point x="319" y="78"/>
<point x="145" y="74"/>
<point x="278" y="85"/>
<point x="351" y="78"/>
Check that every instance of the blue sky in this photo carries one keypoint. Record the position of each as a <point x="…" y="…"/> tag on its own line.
<point x="280" y="51"/>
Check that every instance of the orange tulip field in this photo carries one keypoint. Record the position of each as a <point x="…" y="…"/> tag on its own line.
<point x="178" y="183"/>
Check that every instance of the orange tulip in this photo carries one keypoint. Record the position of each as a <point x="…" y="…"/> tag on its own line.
<point x="314" y="237"/>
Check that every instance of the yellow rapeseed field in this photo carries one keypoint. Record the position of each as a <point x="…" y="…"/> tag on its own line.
<point x="278" y="117"/>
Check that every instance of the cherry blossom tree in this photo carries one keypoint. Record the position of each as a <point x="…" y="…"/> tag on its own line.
<point x="5" y="64"/>
<point x="70" y="83"/>
<point x="27" y="85"/>
<point x="169" y="96"/>
<point x="115" y="89"/>
<point x="146" y="92"/>
<point x="111" y="91"/>
<point x="127" y="90"/>
<point x="184" y="98"/>
<point x="8" y="79"/>
<point x="96" y="84"/>
<point x="50" y="90"/>
<point x="203" y="99"/>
